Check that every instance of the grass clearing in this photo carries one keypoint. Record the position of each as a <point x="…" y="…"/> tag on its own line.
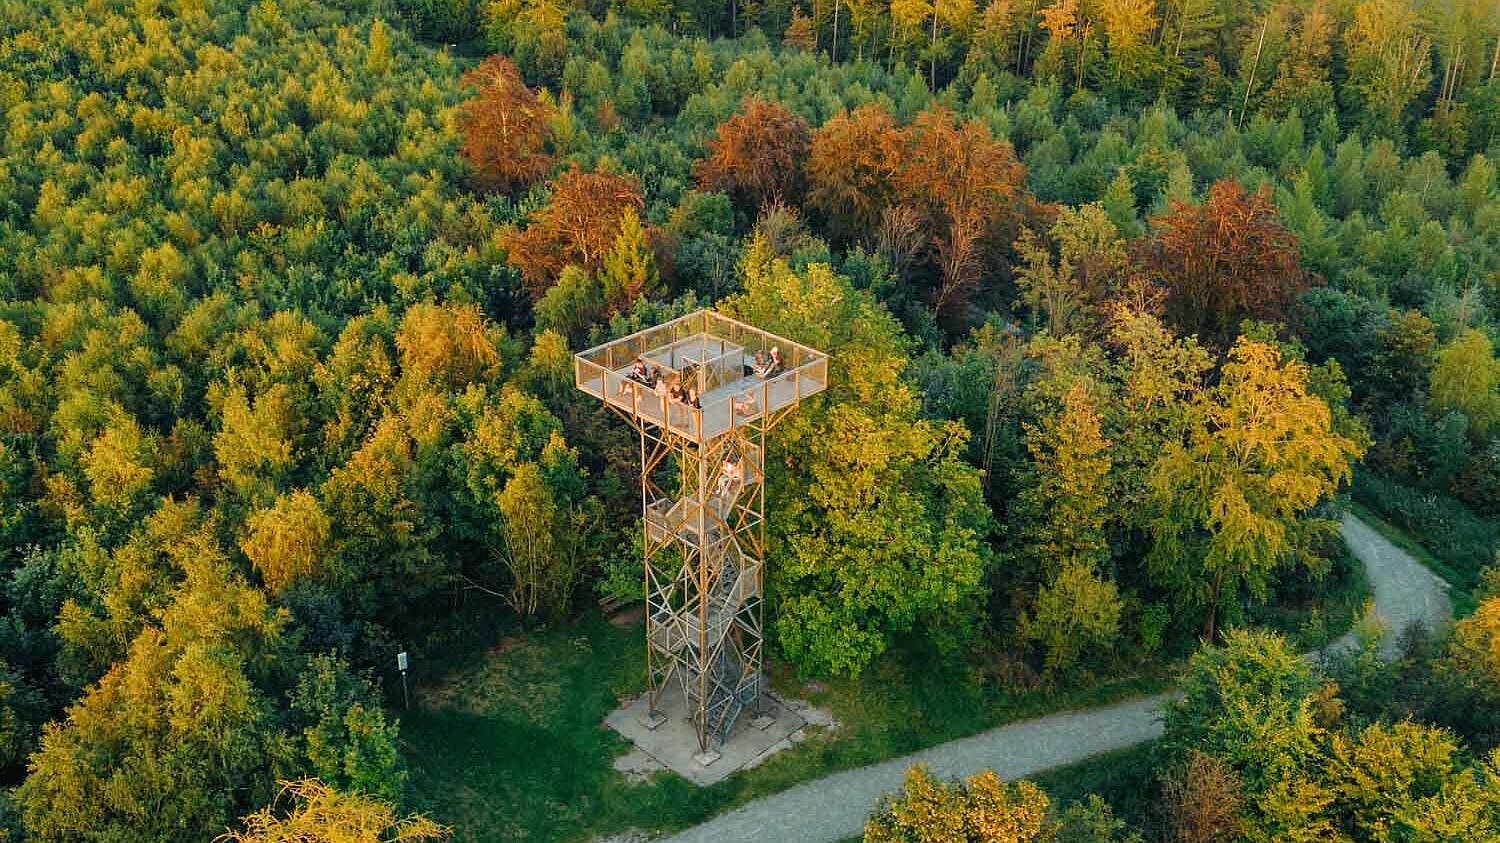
<point x="507" y="743"/>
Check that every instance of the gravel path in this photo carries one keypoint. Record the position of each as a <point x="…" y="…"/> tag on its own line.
<point x="834" y="807"/>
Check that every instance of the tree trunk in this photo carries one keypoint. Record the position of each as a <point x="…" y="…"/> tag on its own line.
<point x="1024" y="49"/>
<point x="1254" y="66"/>
<point x="1209" y="629"/>
<point x="932" y="72"/>
<point x="835" y="30"/>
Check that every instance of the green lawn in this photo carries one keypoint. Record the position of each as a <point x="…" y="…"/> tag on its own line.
<point x="509" y="744"/>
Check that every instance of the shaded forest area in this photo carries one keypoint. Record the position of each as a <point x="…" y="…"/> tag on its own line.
<point x="1121" y="295"/>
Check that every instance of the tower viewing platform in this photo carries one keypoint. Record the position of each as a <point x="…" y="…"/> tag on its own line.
<point x="702" y="391"/>
<point x="723" y="359"/>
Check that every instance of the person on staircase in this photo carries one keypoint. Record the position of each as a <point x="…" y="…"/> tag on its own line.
<point x="730" y="475"/>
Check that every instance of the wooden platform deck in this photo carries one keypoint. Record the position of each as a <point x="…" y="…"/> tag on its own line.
<point x="716" y="418"/>
<point x="713" y="352"/>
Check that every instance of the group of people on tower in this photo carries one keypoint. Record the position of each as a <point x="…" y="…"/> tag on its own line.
<point x="677" y="387"/>
<point x="682" y="387"/>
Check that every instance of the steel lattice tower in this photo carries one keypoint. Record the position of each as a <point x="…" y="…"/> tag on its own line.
<point x="703" y="496"/>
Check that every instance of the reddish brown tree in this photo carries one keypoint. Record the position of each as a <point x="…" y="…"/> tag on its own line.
<point x="757" y="156"/>
<point x="504" y="128"/>
<point x="578" y="225"/>
<point x="852" y="168"/>
<point x="1225" y="260"/>
<point x="958" y="169"/>
<point x="970" y="190"/>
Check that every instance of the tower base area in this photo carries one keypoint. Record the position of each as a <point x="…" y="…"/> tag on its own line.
<point x="673" y="742"/>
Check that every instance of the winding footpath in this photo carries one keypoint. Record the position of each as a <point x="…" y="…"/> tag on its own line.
<point x="834" y="808"/>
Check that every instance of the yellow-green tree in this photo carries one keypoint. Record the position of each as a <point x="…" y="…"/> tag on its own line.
<point x="981" y="809"/>
<point x="1466" y="378"/>
<point x="1407" y="781"/>
<point x="287" y="540"/>
<point x="1064" y="507"/>
<point x="312" y="812"/>
<point x="880" y="522"/>
<point x="1390" y="61"/>
<point x="1231" y="501"/>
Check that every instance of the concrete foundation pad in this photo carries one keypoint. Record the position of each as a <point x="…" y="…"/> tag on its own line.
<point x="674" y="744"/>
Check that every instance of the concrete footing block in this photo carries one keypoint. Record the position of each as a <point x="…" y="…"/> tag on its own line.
<point x="707" y="757"/>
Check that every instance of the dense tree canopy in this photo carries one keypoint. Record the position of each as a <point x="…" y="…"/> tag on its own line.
<point x="1117" y="295"/>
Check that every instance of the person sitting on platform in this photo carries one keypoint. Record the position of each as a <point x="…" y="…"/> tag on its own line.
<point x="690" y="398"/>
<point x="638" y="373"/>
<point x="757" y="363"/>
<point x="660" y="386"/>
<point x="773" y="365"/>
<point x="744" y="405"/>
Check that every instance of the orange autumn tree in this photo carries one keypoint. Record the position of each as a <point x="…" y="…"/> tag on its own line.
<point x="757" y="155"/>
<point x="504" y="128"/>
<point x="579" y="225"/>
<point x="852" y="167"/>
<point x="1225" y="260"/>
<point x="970" y="190"/>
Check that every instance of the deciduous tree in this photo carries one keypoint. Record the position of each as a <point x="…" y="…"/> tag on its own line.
<point x="312" y="812"/>
<point x="504" y="127"/>
<point x="578" y="225"/>
<point x="1225" y="260"/>
<point x="757" y="155"/>
<point x="1231" y="500"/>
<point x="852" y="168"/>
<point x="889" y="535"/>
<point x="982" y="809"/>
<point x="1465" y="378"/>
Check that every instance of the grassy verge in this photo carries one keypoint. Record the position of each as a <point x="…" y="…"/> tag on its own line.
<point x="510" y="746"/>
<point x="1315" y="613"/>
<point x="1460" y="594"/>
<point x="1125" y="778"/>
<point x="508" y="743"/>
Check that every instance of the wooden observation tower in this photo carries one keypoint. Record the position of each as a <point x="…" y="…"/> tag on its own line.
<point x="702" y="391"/>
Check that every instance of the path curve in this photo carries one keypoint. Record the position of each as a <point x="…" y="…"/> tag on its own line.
<point x="834" y="808"/>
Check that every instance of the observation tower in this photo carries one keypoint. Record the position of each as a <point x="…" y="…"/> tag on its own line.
<point x="702" y="391"/>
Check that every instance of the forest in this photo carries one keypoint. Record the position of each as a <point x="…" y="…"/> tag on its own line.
<point x="1126" y="302"/>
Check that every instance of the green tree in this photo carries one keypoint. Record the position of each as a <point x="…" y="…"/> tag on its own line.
<point x="1231" y="501"/>
<point x="880" y="521"/>
<point x="1063" y="508"/>
<point x="318" y="813"/>
<point x="629" y="270"/>
<point x="1251" y="704"/>
<point x="1465" y="378"/>
<point x="176" y="734"/>
<point x="1074" y="612"/>
<point x="343" y="737"/>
